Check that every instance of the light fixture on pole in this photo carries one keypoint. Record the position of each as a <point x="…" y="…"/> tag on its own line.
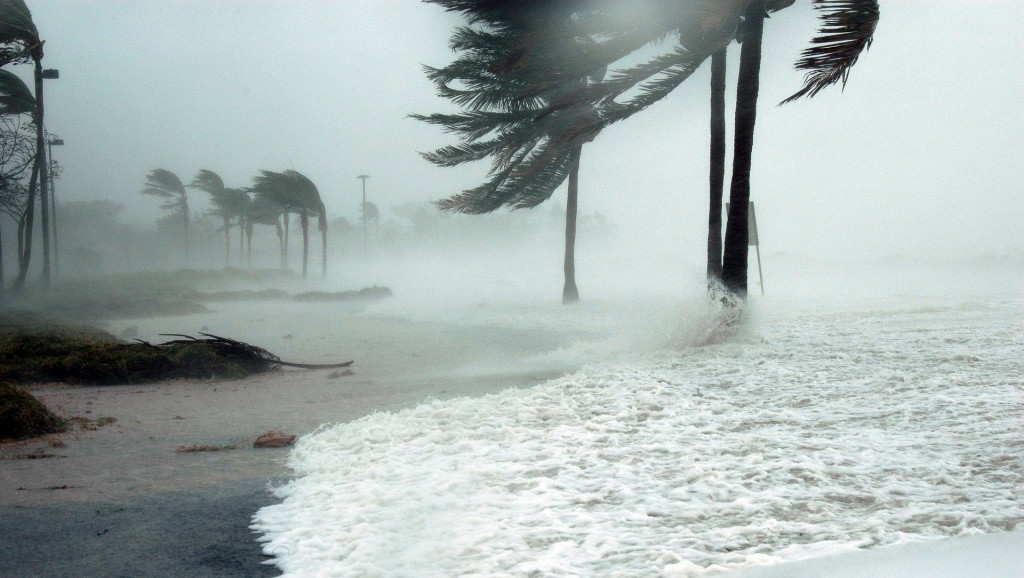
<point x="363" y="208"/>
<point x="53" y="141"/>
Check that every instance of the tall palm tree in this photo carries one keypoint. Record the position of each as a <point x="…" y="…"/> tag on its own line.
<point x="264" y="211"/>
<point x="528" y="163"/>
<point x="716" y="176"/>
<point x="165" y="184"/>
<point x="294" y="192"/>
<point x="20" y="42"/>
<point x="510" y="100"/>
<point x="734" y="258"/>
<point x="15" y="99"/>
<point x="227" y="203"/>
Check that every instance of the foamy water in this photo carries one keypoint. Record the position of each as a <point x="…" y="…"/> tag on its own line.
<point x="813" y="433"/>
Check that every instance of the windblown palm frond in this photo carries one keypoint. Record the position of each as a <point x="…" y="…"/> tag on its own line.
<point x="847" y="29"/>
<point x="19" y="38"/>
<point x="163" y="183"/>
<point x="15" y="97"/>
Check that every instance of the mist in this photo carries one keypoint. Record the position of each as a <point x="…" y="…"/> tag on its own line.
<point x="444" y="411"/>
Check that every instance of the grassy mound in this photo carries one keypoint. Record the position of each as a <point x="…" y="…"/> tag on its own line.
<point x="43" y="351"/>
<point x="23" y="416"/>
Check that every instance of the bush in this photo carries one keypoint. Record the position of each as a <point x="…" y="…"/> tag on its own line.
<point x="23" y="416"/>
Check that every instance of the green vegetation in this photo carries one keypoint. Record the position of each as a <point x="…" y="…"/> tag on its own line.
<point x="23" y="416"/>
<point x="35" y="351"/>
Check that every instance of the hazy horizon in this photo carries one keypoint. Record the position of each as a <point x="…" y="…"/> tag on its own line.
<point x="917" y="157"/>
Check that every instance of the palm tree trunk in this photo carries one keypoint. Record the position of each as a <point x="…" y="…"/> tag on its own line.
<point x="570" y="294"/>
<point x="734" y="263"/>
<point x="2" y="283"/>
<point x="227" y="241"/>
<point x="241" y="239"/>
<point x="304" y="221"/>
<point x="717" y="172"/>
<point x="184" y="214"/>
<point x="25" y="227"/>
<point x="280" y="240"/>
<point x="284" y="247"/>
<point x="248" y="239"/>
<point x="322" y="221"/>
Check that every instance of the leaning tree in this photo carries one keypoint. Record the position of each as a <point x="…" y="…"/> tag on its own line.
<point x="504" y="81"/>
<point x="227" y="204"/>
<point x="19" y="43"/>
<point x="700" y="28"/>
<point x="166" y="185"/>
<point x="293" y="192"/>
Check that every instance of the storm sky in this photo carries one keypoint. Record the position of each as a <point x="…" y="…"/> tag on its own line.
<point x="920" y="154"/>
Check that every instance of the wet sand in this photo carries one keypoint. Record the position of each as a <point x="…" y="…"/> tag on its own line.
<point x="120" y="501"/>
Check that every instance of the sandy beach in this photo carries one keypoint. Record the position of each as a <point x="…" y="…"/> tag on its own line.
<point x="120" y="501"/>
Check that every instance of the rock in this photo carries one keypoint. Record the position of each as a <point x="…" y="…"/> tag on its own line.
<point x="274" y="439"/>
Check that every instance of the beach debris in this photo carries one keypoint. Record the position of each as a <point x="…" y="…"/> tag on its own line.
<point x="239" y="350"/>
<point x="337" y="374"/>
<point x="196" y="448"/>
<point x="273" y="439"/>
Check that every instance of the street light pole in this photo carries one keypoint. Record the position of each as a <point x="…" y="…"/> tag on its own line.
<point x="363" y="208"/>
<point x="53" y="141"/>
<point x="44" y="200"/>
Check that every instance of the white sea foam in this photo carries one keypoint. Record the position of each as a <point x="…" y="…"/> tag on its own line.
<point x="818" y="433"/>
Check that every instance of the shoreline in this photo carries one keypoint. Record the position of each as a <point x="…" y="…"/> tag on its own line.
<point x="118" y="500"/>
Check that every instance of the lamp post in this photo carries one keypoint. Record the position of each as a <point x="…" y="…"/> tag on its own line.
<point x="44" y="201"/>
<point x="363" y="208"/>
<point x="53" y="141"/>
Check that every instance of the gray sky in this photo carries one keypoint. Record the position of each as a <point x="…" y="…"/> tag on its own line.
<point x="922" y="152"/>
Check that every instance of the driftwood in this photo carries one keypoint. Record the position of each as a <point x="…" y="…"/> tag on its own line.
<point x="232" y="348"/>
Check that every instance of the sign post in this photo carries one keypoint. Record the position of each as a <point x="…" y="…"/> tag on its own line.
<point x="752" y="239"/>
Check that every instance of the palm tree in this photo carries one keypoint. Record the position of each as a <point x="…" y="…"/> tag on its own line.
<point x="734" y="258"/>
<point x="227" y="203"/>
<point x="702" y="27"/>
<point x="716" y="176"/>
<point x="294" y="192"/>
<point x="264" y="211"/>
<point x="512" y="100"/>
<point x="165" y="184"/>
<point x="20" y="42"/>
<point x="15" y="100"/>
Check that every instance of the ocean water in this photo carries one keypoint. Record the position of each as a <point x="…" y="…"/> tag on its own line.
<point x="682" y="447"/>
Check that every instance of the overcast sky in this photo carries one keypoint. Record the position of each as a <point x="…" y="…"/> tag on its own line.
<point x="922" y="151"/>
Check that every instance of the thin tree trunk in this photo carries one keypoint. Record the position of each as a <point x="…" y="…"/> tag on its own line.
<point x="570" y="294"/>
<point x="2" y="282"/>
<point x="304" y="221"/>
<point x="322" y="221"/>
<point x="241" y="239"/>
<point x="734" y="263"/>
<point x="25" y="231"/>
<point x="280" y="240"/>
<point x="717" y="172"/>
<point x="227" y="242"/>
<point x="184" y="211"/>
<point x="248" y="239"/>
<point x="284" y="250"/>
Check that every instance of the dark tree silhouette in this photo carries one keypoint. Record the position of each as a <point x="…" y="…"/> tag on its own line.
<point x="294" y="192"/>
<point x="228" y="204"/>
<point x="166" y="185"/>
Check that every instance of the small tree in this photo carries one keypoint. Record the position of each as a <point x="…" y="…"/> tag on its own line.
<point x="294" y="192"/>
<point x="166" y="185"/>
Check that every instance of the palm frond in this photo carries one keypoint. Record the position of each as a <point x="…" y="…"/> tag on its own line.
<point x="847" y="30"/>
<point x="163" y="183"/>
<point x="15" y="96"/>
<point x="18" y="34"/>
